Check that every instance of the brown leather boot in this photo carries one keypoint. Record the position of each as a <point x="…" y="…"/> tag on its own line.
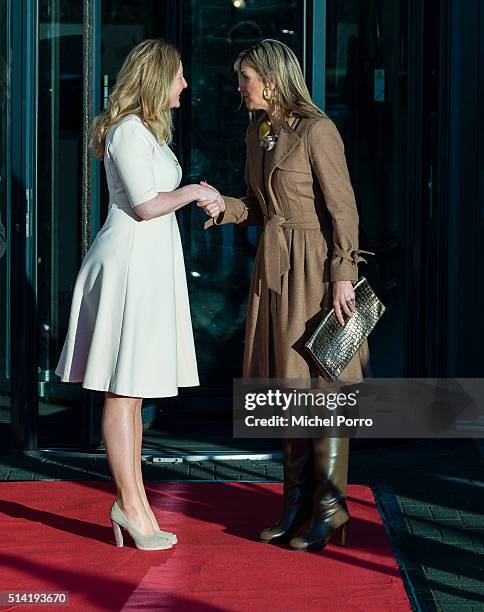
<point x="298" y="489"/>
<point x="330" y="516"/>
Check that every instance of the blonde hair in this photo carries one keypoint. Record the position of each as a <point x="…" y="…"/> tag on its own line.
<point x="143" y="88"/>
<point x="277" y="65"/>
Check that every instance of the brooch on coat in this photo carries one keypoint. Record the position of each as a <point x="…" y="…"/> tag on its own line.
<point x="267" y="140"/>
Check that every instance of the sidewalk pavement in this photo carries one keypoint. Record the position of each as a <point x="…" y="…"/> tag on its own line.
<point x="430" y="494"/>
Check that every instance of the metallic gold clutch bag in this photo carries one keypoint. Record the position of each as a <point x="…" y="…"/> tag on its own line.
<point x="332" y="346"/>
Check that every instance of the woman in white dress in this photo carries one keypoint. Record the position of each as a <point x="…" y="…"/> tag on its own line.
<point x="130" y="332"/>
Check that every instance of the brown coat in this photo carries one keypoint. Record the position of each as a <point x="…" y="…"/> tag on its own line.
<point x="311" y="240"/>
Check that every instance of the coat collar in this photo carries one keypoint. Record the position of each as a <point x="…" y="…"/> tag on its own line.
<point x="288" y="140"/>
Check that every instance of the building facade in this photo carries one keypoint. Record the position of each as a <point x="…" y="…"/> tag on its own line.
<point x="402" y="79"/>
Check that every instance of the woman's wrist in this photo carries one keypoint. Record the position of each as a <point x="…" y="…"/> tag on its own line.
<point x="195" y="193"/>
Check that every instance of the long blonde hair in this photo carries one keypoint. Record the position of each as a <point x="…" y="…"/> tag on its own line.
<point x="277" y="65"/>
<point x="143" y="88"/>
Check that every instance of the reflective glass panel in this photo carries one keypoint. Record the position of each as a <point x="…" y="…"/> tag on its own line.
<point x="5" y="201"/>
<point x="59" y="204"/>
<point x="366" y="95"/>
<point x="212" y="140"/>
<point x="59" y="178"/>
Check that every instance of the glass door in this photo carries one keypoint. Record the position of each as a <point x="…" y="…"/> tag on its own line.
<point x="60" y="41"/>
<point x="367" y="97"/>
<point x="5" y="208"/>
<point x="68" y="415"/>
<point x="212" y="141"/>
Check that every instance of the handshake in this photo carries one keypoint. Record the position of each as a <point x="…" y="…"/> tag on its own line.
<point x="209" y="199"/>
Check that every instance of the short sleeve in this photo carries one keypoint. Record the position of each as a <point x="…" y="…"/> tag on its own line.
<point x="131" y="150"/>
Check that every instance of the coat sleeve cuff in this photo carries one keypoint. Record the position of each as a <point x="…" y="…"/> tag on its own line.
<point x="344" y="264"/>
<point x="214" y="221"/>
<point x="235" y="211"/>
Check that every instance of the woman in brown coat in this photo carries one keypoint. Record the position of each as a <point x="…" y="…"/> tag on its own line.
<point x="298" y="187"/>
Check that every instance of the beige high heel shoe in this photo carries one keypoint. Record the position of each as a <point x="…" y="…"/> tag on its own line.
<point x="171" y="537"/>
<point x="168" y="535"/>
<point x="142" y="542"/>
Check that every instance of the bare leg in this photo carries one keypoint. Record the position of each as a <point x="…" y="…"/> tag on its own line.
<point x="118" y="428"/>
<point x="139" y="472"/>
<point x="138" y="428"/>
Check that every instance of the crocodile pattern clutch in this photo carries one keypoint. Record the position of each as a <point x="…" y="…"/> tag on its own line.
<point x="332" y="346"/>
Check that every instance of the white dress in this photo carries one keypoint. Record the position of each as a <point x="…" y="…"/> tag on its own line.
<point x="130" y="329"/>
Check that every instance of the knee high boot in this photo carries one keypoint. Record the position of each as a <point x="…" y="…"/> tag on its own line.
<point x="330" y="515"/>
<point x="298" y="468"/>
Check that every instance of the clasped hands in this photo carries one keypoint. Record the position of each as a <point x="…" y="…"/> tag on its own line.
<point x="210" y="200"/>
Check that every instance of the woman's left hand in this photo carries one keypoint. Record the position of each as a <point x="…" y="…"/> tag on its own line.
<point x="343" y="300"/>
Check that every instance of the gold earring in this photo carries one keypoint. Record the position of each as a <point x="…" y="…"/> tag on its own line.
<point x="267" y="96"/>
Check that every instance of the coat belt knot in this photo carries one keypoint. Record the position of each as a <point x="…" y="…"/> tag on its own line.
<point x="276" y="253"/>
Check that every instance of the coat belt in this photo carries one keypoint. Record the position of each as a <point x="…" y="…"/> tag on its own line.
<point x="276" y="253"/>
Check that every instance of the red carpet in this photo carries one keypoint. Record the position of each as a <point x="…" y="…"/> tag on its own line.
<point x="57" y="536"/>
